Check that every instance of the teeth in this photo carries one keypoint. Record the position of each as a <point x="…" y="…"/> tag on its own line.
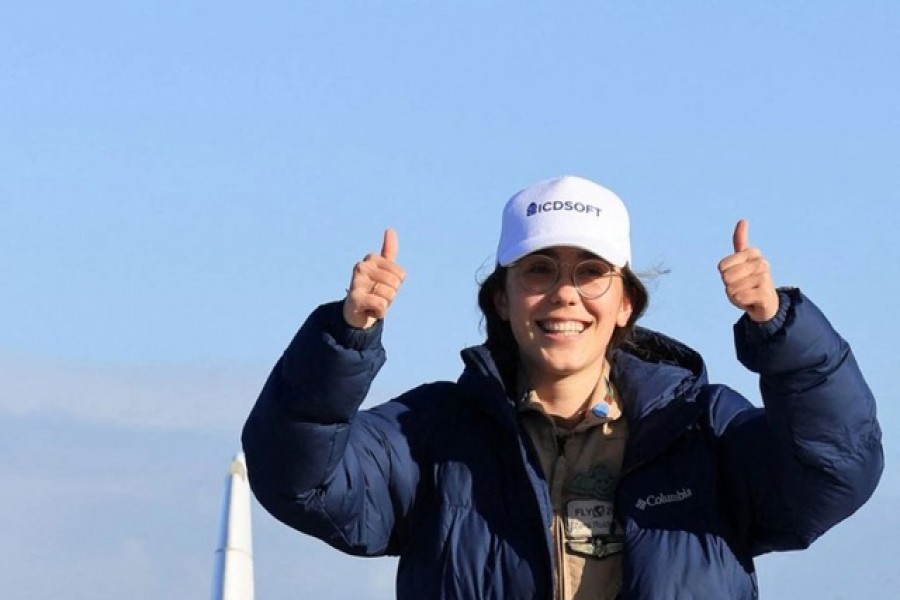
<point x="562" y="326"/>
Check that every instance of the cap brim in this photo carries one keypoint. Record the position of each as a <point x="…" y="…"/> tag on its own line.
<point x="606" y="251"/>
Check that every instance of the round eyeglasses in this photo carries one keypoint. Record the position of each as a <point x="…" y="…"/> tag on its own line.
<point x="538" y="274"/>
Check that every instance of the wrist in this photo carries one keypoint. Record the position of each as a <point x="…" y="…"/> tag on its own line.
<point x="766" y="311"/>
<point x="356" y="319"/>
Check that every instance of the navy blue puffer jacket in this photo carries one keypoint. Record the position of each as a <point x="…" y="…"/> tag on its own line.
<point x="444" y="476"/>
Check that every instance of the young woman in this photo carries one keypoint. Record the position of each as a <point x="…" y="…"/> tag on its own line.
<point x="577" y="456"/>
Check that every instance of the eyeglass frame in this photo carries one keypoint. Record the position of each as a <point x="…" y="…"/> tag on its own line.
<point x="559" y="270"/>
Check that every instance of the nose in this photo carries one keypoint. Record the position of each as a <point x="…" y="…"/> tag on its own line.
<point x="565" y="291"/>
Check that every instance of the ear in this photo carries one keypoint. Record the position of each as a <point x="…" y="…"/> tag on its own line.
<point x="625" y="310"/>
<point x="501" y="304"/>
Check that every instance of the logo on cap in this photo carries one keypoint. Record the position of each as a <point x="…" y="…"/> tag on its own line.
<point x="579" y="207"/>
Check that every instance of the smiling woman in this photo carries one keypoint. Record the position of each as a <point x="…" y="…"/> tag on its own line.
<point x="577" y="456"/>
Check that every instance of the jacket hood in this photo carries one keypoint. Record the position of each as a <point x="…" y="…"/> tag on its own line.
<point x="651" y="369"/>
<point x="659" y="380"/>
<point x="481" y="381"/>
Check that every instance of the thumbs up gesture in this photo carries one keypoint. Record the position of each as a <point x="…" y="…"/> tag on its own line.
<point x="748" y="278"/>
<point x="376" y="280"/>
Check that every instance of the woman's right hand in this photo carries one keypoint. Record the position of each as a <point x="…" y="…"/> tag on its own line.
<point x="376" y="280"/>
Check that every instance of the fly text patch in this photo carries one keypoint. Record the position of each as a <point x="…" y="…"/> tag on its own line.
<point x="588" y="518"/>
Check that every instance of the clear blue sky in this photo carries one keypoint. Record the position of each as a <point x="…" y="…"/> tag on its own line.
<point x="181" y="183"/>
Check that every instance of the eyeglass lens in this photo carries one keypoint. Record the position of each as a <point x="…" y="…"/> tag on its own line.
<point x="539" y="274"/>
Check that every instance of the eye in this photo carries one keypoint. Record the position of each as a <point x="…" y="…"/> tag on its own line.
<point x="538" y="265"/>
<point x="539" y="268"/>
<point x="594" y="269"/>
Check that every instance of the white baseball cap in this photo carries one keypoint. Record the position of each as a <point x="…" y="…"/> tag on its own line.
<point x="566" y="211"/>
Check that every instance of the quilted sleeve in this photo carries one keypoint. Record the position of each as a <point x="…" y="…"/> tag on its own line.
<point x="813" y="455"/>
<point x="314" y="462"/>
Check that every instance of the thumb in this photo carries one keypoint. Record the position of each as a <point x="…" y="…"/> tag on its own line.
<point x="741" y="238"/>
<point x="390" y="246"/>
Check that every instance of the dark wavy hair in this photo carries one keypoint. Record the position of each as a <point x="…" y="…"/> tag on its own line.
<point x="501" y="343"/>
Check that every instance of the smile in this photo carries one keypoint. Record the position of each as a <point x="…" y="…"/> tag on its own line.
<point x="563" y="327"/>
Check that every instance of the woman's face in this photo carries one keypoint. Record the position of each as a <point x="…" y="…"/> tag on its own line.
<point x="559" y="332"/>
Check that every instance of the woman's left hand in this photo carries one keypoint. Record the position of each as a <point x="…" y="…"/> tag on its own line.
<point x="748" y="278"/>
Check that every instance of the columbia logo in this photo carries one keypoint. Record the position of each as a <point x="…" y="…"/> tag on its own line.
<point x="659" y="499"/>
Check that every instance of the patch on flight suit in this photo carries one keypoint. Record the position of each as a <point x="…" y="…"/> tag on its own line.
<point x="588" y="518"/>
<point x="589" y="522"/>
<point x="599" y="482"/>
<point x="590" y="528"/>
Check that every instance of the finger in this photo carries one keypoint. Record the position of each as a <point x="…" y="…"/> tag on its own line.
<point x="759" y="280"/>
<point x="748" y="299"/>
<point x="384" y="291"/>
<point x="744" y="256"/>
<point x="368" y="294"/>
<point x="371" y="284"/>
<point x="741" y="237"/>
<point x="758" y="284"/>
<point x="750" y="268"/>
<point x="760" y="300"/>
<point x="390" y="246"/>
<point x="374" y="268"/>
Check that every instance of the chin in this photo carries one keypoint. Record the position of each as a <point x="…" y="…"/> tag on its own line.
<point x="562" y="368"/>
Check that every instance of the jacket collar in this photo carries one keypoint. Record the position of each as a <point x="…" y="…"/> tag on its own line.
<point x="657" y="377"/>
<point x="482" y="381"/>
